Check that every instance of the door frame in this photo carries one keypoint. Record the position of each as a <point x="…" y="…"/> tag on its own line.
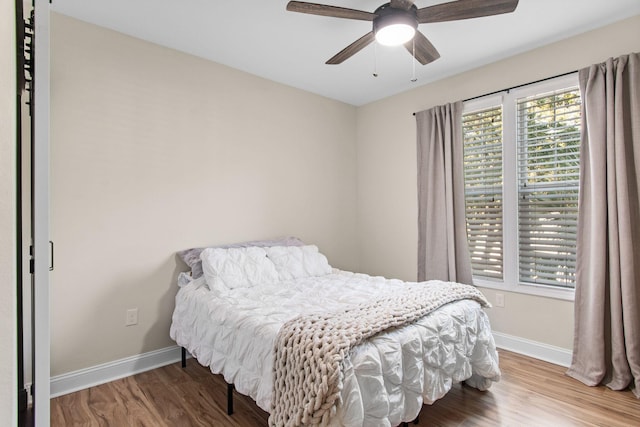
<point x="40" y="217"/>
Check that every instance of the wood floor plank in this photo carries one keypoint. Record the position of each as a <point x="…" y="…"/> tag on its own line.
<point x="73" y="409"/>
<point x="132" y="403"/>
<point x="531" y="393"/>
<point x="168" y="401"/>
<point x="106" y="406"/>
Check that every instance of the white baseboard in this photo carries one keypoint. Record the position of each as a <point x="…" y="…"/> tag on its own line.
<point x="100" y="374"/>
<point x="548" y="353"/>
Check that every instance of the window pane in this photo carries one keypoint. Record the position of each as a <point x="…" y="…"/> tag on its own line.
<point x="548" y="130"/>
<point x="483" y="190"/>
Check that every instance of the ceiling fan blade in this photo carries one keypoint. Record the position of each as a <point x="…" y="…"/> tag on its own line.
<point x="464" y="9"/>
<point x="402" y="4"/>
<point x="425" y="51"/>
<point x="352" y="49"/>
<point x="326" y="10"/>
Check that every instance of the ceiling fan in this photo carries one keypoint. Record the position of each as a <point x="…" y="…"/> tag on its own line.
<point x="396" y="22"/>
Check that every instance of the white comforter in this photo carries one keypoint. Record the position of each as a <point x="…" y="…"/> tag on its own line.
<point x="387" y="379"/>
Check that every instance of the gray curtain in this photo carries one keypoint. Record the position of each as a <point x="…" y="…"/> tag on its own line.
<point x="443" y="251"/>
<point x="606" y="346"/>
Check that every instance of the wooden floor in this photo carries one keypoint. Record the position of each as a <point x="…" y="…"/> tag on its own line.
<point x="531" y="393"/>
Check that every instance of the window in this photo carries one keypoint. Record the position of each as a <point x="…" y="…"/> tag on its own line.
<point x="548" y="173"/>
<point x="521" y="160"/>
<point x="483" y="189"/>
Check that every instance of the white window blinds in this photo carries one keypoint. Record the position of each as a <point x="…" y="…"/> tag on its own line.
<point x="483" y="190"/>
<point x="548" y="141"/>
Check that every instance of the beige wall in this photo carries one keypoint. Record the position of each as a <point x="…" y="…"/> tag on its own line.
<point x="8" y="385"/>
<point x="387" y="201"/>
<point x="154" y="151"/>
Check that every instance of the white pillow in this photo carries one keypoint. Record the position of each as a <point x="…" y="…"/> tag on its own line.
<point x="293" y="262"/>
<point x="237" y="268"/>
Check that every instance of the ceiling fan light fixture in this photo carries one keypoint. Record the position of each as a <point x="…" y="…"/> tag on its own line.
<point x="395" y="34"/>
<point x="393" y="27"/>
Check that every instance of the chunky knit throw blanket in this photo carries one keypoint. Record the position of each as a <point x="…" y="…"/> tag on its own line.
<point x="309" y="351"/>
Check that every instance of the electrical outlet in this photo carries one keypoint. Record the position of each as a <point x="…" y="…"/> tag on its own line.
<point x="499" y="300"/>
<point x="132" y="317"/>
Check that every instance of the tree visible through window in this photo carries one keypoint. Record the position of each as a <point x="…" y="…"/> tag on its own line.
<point x="483" y="189"/>
<point x="548" y="176"/>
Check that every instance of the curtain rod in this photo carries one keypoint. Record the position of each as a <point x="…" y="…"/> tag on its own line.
<point x="518" y="86"/>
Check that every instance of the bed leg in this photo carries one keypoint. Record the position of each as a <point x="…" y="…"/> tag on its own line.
<point x="229" y="399"/>
<point x="184" y="357"/>
<point x="406" y="424"/>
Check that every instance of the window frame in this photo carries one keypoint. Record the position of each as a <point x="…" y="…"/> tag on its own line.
<point x="508" y="99"/>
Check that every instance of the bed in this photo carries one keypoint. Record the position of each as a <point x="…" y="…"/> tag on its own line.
<point x="240" y="303"/>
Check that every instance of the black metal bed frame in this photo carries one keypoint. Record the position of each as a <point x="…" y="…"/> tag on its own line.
<point x="229" y="386"/>
<point x="230" y="390"/>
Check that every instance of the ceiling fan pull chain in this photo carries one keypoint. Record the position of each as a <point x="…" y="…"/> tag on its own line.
<point x="413" y="61"/>
<point x="375" y="60"/>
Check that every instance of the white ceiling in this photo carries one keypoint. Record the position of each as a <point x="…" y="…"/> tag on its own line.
<point x="262" y="38"/>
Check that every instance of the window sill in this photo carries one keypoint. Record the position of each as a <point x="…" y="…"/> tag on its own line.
<point x="538" y="290"/>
